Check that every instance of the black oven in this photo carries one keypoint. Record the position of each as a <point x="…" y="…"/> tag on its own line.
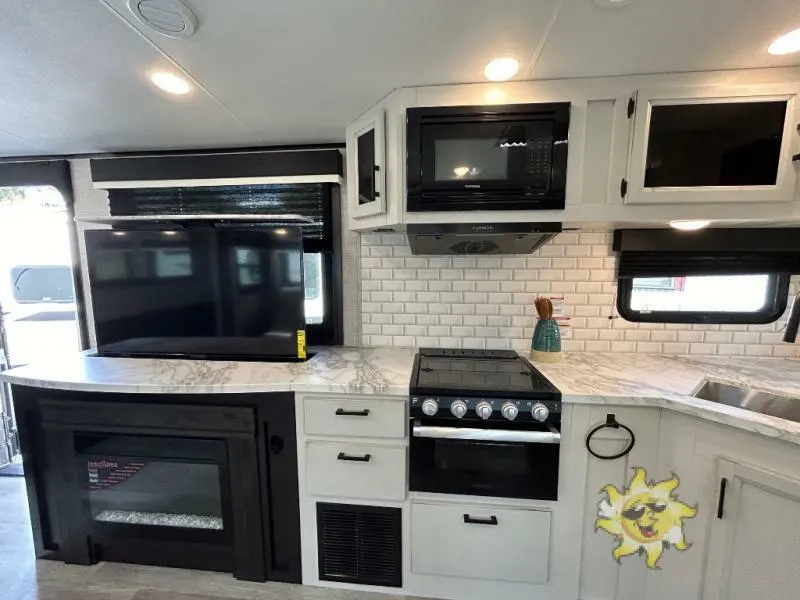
<point x="485" y="458"/>
<point x="511" y="157"/>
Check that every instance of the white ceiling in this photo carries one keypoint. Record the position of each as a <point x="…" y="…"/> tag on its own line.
<point x="73" y="74"/>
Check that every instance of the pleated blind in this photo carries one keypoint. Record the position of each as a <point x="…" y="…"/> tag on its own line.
<point x="680" y="264"/>
<point x="666" y="253"/>
<point x="310" y="200"/>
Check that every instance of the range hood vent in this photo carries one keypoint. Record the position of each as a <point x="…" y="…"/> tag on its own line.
<point x="480" y="238"/>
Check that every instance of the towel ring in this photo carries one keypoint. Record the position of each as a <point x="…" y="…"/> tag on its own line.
<point x="611" y="423"/>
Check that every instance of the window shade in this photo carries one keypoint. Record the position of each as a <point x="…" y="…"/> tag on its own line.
<point x="668" y="253"/>
<point x="311" y="200"/>
<point x="679" y="264"/>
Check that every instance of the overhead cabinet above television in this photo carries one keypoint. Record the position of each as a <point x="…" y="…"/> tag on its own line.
<point x="720" y="144"/>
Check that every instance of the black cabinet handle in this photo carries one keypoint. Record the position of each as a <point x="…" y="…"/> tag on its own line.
<point x="375" y="192"/>
<point x="796" y="158"/>
<point x="723" y="484"/>
<point x="276" y="444"/>
<point x="340" y="412"/>
<point x="343" y="456"/>
<point x="479" y="521"/>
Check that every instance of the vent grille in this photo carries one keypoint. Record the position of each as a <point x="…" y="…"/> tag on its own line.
<point x="359" y="544"/>
<point x="168" y="17"/>
<point x="475" y="247"/>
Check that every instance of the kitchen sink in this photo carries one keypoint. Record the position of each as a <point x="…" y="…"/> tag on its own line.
<point x="766" y="403"/>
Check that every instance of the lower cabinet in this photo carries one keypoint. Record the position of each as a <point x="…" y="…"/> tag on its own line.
<point x="356" y="470"/>
<point x="755" y="536"/>
<point x="360" y="544"/>
<point x="482" y="542"/>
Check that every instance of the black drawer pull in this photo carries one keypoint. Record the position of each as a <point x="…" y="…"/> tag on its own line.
<point x="340" y="412"/>
<point x="479" y="521"/>
<point x="343" y="456"/>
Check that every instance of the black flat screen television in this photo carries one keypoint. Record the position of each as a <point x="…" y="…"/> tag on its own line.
<point x="208" y="291"/>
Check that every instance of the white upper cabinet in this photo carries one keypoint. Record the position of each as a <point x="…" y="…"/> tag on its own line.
<point x="714" y="144"/>
<point x="366" y="166"/>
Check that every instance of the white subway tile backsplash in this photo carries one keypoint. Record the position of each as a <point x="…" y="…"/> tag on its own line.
<point x="487" y="302"/>
<point x="487" y="309"/>
<point x="512" y="309"/>
<point x="439" y="309"/>
<point x="487" y="286"/>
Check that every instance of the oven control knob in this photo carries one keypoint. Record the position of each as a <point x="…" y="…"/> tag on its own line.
<point x="484" y="410"/>
<point x="430" y="407"/>
<point x="540" y="412"/>
<point x="510" y="411"/>
<point x="459" y="409"/>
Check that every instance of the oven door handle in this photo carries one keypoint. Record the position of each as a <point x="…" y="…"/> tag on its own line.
<point x="487" y="435"/>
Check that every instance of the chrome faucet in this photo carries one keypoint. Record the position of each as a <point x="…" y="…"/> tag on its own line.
<point x="793" y="323"/>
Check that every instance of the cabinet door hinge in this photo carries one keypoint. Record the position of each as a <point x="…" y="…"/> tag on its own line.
<point x="631" y="106"/>
<point x="623" y="187"/>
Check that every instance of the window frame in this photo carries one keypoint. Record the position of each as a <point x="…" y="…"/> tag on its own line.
<point x="773" y="309"/>
<point x="55" y="173"/>
<point x="331" y="331"/>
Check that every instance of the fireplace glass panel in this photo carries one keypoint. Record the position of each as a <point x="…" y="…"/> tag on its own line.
<point x="162" y="482"/>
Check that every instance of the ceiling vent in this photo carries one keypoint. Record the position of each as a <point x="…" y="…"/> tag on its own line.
<point x="168" y="17"/>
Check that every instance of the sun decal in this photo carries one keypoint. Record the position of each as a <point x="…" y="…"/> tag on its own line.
<point x="645" y="518"/>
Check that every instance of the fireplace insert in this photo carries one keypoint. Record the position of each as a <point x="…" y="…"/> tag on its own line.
<point x="205" y="481"/>
<point x="179" y="487"/>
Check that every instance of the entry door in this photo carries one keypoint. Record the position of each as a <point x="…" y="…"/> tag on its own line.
<point x="8" y="439"/>
<point x="754" y="537"/>
<point x="36" y="287"/>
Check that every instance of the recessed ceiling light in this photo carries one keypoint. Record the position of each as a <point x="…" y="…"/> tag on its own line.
<point x="501" y="69"/>
<point x="786" y="44"/>
<point x="171" y="83"/>
<point x="689" y="225"/>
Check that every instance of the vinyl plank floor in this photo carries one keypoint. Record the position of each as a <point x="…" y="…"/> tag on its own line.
<point x="22" y="577"/>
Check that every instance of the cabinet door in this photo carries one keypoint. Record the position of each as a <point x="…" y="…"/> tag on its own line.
<point x="366" y="176"/>
<point x="755" y="536"/>
<point x="483" y="542"/>
<point x="731" y="144"/>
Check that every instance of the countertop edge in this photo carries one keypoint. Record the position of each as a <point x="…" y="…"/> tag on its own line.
<point x="767" y="426"/>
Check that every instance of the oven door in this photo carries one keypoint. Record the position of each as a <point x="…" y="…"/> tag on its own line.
<point x="485" y="462"/>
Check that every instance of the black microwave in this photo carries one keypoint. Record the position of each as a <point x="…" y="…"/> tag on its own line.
<point x="511" y="157"/>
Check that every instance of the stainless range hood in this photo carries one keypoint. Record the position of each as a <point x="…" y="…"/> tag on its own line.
<point x="480" y="238"/>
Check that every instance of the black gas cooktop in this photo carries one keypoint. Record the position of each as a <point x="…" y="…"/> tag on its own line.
<point x="482" y="373"/>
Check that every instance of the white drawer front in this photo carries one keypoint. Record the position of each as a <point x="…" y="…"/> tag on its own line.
<point x="332" y="471"/>
<point x="516" y="548"/>
<point x="355" y="417"/>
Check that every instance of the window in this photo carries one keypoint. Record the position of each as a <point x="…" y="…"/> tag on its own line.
<point x="39" y="284"/>
<point x="314" y="291"/>
<point x="757" y="298"/>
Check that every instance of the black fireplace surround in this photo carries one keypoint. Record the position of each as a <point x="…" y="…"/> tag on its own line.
<point x="205" y="481"/>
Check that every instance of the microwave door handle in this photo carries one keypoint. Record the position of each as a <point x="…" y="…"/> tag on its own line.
<point x="375" y="170"/>
<point x="487" y="435"/>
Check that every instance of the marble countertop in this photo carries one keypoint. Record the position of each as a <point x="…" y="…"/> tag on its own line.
<point x="670" y="381"/>
<point x="583" y="378"/>
<point x="332" y="370"/>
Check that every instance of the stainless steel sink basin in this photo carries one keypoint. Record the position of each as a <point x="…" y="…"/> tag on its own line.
<point x="766" y="403"/>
